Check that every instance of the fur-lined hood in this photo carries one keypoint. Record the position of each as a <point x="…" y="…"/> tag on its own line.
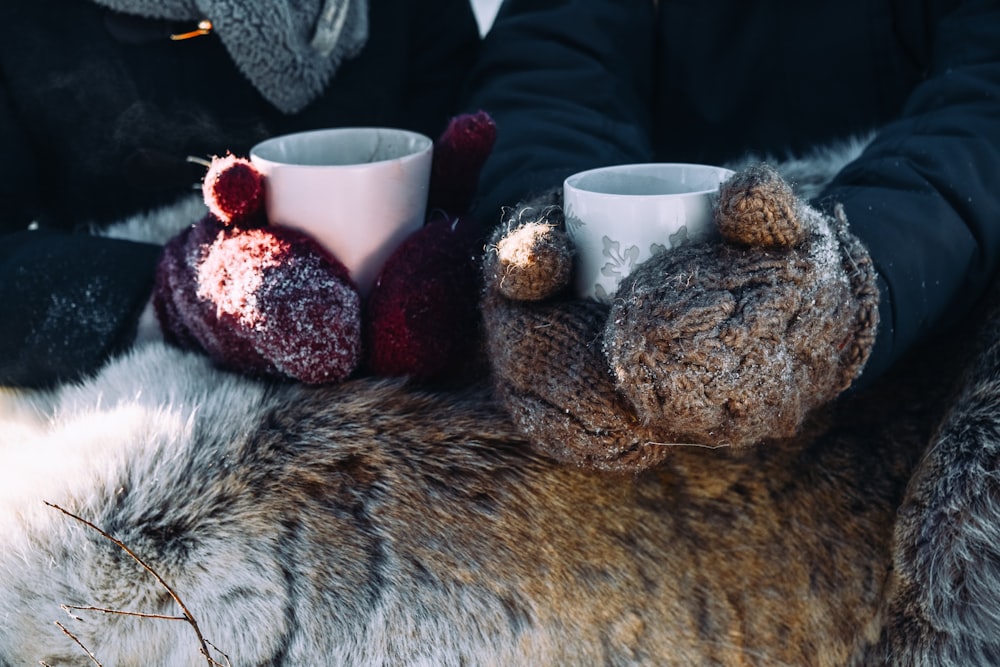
<point x="288" y="49"/>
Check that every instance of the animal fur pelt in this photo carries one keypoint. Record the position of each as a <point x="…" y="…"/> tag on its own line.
<point x="369" y="524"/>
<point x="373" y="523"/>
<point x="943" y="601"/>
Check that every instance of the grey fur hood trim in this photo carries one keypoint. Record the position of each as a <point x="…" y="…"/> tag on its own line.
<point x="288" y="49"/>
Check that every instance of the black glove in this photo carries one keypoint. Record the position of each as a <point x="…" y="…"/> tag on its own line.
<point x="67" y="303"/>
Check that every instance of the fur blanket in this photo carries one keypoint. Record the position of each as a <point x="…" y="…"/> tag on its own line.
<point x="164" y="511"/>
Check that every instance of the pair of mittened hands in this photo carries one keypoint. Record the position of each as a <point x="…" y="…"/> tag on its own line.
<point x="726" y="342"/>
<point x="269" y="301"/>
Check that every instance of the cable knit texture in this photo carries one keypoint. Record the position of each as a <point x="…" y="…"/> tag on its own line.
<point x="555" y="382"/>
<point x="546" y="354"/>
<point x="727" y="342"/>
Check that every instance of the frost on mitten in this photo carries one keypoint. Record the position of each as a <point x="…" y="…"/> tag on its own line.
<point x="266" y="301"/>
<point x="532" y="261"/>
<point x="257" y="299"/>
<point x="735" y="342"/>
<point x="233" y="191"/>
<point x="720" y="343"/>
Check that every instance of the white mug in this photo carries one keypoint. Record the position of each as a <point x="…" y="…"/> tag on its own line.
<point x="358" y="191"/>
<point x="620" y="216"/>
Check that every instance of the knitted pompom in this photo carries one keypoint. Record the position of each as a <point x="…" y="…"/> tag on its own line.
<point x="459" y="155"/>
<point x="234" y="191"/>
<point x="533" y="262"/>
<point x="758" y="208"/>
<point x="267" y="301"/>
<point x="421" y="317"/>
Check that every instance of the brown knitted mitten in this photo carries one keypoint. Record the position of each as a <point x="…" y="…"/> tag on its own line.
<point x="546" y="352"/>
<point x="727" y="342"/>
<point x="735" y="342"/>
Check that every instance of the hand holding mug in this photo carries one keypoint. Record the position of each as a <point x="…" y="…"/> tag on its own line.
<point x="730" y="340"/>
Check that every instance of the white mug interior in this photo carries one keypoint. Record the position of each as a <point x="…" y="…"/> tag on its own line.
<point x="344" y="146"/>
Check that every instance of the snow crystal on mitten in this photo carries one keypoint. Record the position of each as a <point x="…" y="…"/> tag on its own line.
<point x="267" y="301"/>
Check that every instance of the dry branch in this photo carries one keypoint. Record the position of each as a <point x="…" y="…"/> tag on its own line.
<point x="188" y="617"/>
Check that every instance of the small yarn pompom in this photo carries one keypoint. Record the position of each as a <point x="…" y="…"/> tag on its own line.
<point x="234" y="191"/>
<point x="421" y="317"/>
<point x="533" y="262"/>
<point x="268" y="302"/>
<point x="459" y="155"/>
<point x="757" y="208"/>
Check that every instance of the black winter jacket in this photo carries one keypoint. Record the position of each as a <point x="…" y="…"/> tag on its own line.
<point x="575" y="84"/>
<point x="98" y="114"/>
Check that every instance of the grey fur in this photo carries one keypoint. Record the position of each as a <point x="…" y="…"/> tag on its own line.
<point x="374" y="524"/>
<point x="160" y="225"/>
<point x="288" y="49"/>
<point x="944" y="609"/>
<point x="812" y="171"/>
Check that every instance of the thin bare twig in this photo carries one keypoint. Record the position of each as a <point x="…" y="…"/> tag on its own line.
<point x="79" y="643"/>
<point x="122" y="612"/>
<point x="220" y="652"/>
<point x="188" y="616"/>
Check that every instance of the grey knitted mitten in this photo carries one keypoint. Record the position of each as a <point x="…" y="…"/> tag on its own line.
<point x="726" y="342"/>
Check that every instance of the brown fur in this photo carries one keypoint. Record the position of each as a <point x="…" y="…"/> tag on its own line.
<point x="942" y="605"/>
<point x="387" y="525"/>
<point x="778" y="556"/>
<point x="373" y="523"/>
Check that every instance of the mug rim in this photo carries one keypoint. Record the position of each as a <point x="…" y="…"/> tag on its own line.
<point x="571" y="182"/>
<point x="263" y="150"/>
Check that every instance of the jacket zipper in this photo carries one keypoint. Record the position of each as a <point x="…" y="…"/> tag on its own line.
<point x="204" y="28"/>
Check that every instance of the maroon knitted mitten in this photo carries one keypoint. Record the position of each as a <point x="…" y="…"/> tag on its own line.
<point x="267" y="301"/>
<point x="727" y="342"/>
<point x="270" y="301"/>
<point x="421" y="317"/>
<point x="259" y="299"/>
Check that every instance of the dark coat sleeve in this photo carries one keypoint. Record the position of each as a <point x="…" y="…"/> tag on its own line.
<point x="19" y="169"/>
<point x="584" y="68"/>
<point x="67" y="301"/>
<point x="445" y="42"/>
<point x="925" y="196"/>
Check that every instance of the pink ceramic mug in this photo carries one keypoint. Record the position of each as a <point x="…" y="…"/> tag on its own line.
<point x="358" y="191"/>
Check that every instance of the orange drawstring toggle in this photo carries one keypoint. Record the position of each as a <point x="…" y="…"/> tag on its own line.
<point x="204" y="27"/>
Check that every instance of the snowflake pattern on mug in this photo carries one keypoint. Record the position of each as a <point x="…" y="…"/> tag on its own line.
<point x="621" y="263"/>
<point x="573" y="223"/>
<point x="678" y="238"/>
